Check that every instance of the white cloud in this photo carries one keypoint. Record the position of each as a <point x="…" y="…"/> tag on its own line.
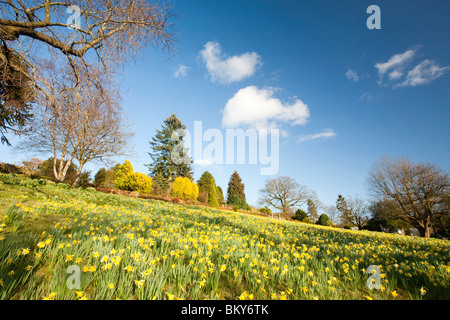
<point x="365" y="96"/>
<point x="226" y="70"/>
<point x="423" y="73"/>
<point x="352" y="75"/>
<point x="258" y="109"/>
<point x="328" y="133"/>
<point x="396" y="62"/>
<point x="181" y="71"/>
<point x="396" y="68"/>
<point x="396" y="74"/>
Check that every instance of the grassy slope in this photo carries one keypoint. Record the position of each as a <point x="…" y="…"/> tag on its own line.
<point x="131" y="248"/>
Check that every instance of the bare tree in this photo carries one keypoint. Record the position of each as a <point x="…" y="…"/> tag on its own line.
<point x="420" y="192"/>
<point x="352" y="211"/>
<point x="332" y="212"/>
<point x="101" y="135"/>
<point x="82" y="121"/>
<point x="84" y="35"/>
<point x="115" y="30"/>
<point x="56" y="115"/>
<point x="359" y="214"/>
<point x="32" y="163"/>
<point x="283" y="193"/>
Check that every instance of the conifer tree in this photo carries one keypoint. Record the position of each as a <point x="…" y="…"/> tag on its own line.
<point x="162" y="148"/>
<point x="343" y="208"/>
<point x="312" y="210"/>
<point x="205" y="181"/>
<point x="219" y="193"/>
<point x="212" y="196"/>
<point x="100" y="178"/>
<point x="160" y="184"/>
<point x="206" y="184"/>
<point x="235" y="192"/>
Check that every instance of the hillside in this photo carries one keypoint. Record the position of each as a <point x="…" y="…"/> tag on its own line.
<point x="131" y="248"/>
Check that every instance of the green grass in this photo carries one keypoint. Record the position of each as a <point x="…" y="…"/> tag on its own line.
<point x="130" y="248"/>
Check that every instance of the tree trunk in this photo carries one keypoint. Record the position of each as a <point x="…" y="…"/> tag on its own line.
<point x="66" y="168"/>
<point x="55" y="172"/>
<point x="427" y="227"/>
<point x="77" y="178"/>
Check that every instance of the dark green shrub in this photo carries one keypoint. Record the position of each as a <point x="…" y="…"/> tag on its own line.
<point x="160" y="184"/>
<point x="265" y="210"/>
<point x="240" y="203"/>
<point x="100" y="178"/>
<point x="324" y="220"/>
<point x="300" y="215"/>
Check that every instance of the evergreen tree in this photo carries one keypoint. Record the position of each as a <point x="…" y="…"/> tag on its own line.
<point x="206" y="184"/>
<point x="105" y="178"/>
<point x="312" y="210"/>
<point x="85" y="179"/>
<point x="163" y="146"/>
<point x="206" y="179"/>
<point x="343" y="208"/>
<point x="300" y="215"/>
<point x="100" y="178"/>
<point x="110" y="176"/>
<point x="219" y="193"/>
<point x="235" y="192"/>
<point x="212" y="199"/>
<point x="160" y="184"/>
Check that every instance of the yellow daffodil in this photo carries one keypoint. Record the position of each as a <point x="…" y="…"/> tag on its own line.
<point x="41" y="244"/>
<point x="139" y="283"/>
<point x="51" y="296"/>
<point x="171" y="296"/>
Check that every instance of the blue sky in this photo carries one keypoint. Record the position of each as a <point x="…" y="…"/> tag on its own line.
<point x="341" y="94"/>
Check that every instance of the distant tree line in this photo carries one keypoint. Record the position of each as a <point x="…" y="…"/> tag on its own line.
<point x="405" y="196"/>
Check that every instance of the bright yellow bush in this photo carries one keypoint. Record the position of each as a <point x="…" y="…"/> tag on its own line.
<point x="126" y="179"/>
<point x="139" y="182"/>
<point x="121" y="174"/>
<point x="184" y="188"/>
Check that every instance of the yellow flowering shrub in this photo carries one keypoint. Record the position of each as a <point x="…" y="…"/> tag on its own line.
<point x="126" y="179"/>
<point x="184" y="189"/>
